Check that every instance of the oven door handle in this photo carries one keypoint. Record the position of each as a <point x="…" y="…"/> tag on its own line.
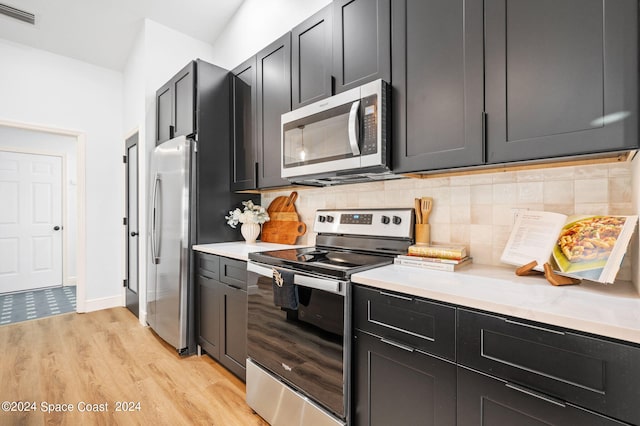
<point x="324" y="284"/>
<point x="331" y="286"/>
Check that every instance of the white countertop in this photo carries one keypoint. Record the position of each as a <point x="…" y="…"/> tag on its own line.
<point x="607" y="310"/>
<point x="239" y="249"/>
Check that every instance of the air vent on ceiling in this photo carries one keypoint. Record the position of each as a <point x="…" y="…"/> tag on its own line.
<point x="18" y="14"/>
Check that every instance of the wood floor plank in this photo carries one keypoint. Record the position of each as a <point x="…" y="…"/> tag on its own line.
<point x="97" y="359"/>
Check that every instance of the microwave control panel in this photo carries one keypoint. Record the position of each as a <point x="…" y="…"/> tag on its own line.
<point x="369" y="124"/>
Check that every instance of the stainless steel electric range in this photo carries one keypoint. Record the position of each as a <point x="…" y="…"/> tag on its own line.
<point x="299" y="314"/>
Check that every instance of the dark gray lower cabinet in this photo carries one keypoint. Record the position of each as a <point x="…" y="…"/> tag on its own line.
<point x="397" y="378"/>
<point x="233" y="323"/>
<point x="209" y="315"/>
<point x="560" y="364"/>
<point x="502" y="371"/>
<point x="221" y="295"/>
<point x="397" y="385"/>
<point x="484" y="400"/>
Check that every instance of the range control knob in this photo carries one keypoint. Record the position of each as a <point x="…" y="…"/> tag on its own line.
<point x="321" y="218"/>
<point x="330" y="219"/>
<point x="385" y="219"/>
<point x="397" y="220"/>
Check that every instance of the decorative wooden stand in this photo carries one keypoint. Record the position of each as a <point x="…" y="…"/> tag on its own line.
<point x="549" y="274"/>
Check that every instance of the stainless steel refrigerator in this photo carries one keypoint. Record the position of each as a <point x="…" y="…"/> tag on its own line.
<point x="170" y="234"/>
<point x="190" y="184"/>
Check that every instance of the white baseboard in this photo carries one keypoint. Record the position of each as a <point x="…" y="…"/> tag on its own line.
<point x="102" y="303"/>
<point x="142" y="316"/>
<point x="70" y="281"/>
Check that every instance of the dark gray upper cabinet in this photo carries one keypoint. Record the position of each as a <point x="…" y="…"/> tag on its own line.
<point x="361" y="42"/>
<point x="164" y="122"/>
<point x="243" y="155"/>
<point x="561" y="77"/>
<point x="311" y="58"/>
<point x="274" y="99"/>
<point x="175" y="106"/>
<point x="437" y="97"/>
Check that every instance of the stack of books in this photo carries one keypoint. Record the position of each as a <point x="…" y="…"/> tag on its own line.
<point x="438" y="257"/>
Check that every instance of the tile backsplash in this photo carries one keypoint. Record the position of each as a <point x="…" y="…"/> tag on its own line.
<point x="477" y="210"/>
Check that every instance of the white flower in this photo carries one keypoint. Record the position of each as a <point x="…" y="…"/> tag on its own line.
<point x="251" y="214"/>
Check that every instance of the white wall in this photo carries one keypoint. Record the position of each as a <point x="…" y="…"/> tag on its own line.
<point x="157" y="54"/>
<point x="256" y="24"/>
<point x="49" y="90"/>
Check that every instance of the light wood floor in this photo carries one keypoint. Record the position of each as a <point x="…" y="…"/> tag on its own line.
<point x="107" y="356"/>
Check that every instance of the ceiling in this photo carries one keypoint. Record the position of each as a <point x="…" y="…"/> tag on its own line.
<point x="102" y="32"/>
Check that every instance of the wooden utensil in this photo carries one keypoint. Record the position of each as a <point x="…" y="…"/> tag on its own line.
<point x="426" y="205"/>
<point x="289" y="205"/>
<point x="417" y="208"/>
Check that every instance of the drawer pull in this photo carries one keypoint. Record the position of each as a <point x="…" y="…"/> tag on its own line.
<point x="397" y="345"/>
<point x="536" y="395"/>
<point x="397" y="296"/>
<point x="508" y="321"/>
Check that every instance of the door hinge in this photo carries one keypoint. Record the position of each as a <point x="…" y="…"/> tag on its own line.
<point x="195" y="146"/>
<point x="124" y="283"/>
<point x="124" y="159"/>
<point x="124" y="221"/>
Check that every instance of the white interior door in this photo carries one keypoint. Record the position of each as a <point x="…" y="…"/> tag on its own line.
<point x="30" y="221"/>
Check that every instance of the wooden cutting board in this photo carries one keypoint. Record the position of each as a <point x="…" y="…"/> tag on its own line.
<point x="284" y="226"/>
<point x="283" y="204"/>
<point x="282" y="232"/>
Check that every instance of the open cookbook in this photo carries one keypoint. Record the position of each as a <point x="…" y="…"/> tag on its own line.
<point x="583" y="247"/>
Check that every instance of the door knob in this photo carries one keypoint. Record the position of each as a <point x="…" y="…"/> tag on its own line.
<point x="57" y="228"/>
<point x="134" y="234"/>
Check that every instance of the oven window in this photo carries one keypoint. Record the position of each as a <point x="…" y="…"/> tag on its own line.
<point x="304" y="346"/>
<point x="318" y="138"/>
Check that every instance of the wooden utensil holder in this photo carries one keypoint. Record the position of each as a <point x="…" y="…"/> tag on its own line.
<point x="423" y="233"/>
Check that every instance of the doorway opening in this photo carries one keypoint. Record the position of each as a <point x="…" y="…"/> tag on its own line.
<point x="54" y="255"/>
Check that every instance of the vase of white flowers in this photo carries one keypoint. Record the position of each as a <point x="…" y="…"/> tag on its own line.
<point x="251" y="218"/>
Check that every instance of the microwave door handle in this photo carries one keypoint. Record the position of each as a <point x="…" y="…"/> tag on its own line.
<point x="354" y="125"/>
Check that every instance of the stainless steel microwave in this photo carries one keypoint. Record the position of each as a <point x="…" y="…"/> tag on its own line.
<point x="341" y="139"/>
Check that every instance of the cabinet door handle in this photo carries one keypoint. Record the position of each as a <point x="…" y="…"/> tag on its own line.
<point x="535" y="327"/>
<point x="484" y="137"/>
<point x="172" y="131"/>
<point x="397" y="345"/>
<point x="535" y="394"/>
<point x="397" y="296"/>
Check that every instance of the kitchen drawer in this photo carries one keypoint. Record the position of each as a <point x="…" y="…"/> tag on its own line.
<point x="407" y="320"/>
<point x="233" y="272"/>
<point x="484" y="400"/>
<point x="208" y="265"/>
<point x="598" y="374"/>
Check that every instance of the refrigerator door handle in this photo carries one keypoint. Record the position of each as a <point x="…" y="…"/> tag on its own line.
<point x="154" y="248"/>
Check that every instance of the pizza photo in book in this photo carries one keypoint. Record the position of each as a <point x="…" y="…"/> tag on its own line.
<point x="589" y="247"/>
